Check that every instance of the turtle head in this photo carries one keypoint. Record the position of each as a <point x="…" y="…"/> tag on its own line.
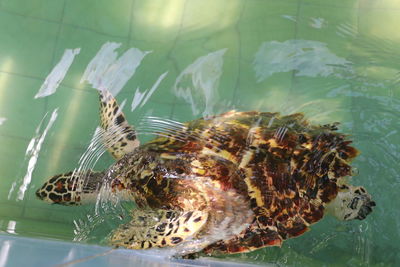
<point x="72" y="188"/>
<point x="57" y="190"/>
<point x="352" y="202"/>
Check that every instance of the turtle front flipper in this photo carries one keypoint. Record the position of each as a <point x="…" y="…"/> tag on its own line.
<point x="119" y="137"/>
<point x="72" y="188"/>
<point x="151" y="228"/>
<point x="251" y="239"/>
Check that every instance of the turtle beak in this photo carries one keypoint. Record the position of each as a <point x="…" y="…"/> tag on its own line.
<point x="38" y="194"/>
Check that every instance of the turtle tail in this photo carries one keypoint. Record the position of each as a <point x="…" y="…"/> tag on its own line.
<point x="72" y="188"/>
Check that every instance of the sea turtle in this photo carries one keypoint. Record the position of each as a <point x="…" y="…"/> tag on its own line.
<point x="230" y="183"/>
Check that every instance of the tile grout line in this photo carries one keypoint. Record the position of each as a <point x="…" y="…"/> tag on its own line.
<point x="130" y="22"/>
<point x="42" y="79"/>
<point x="51" y="143"/>
<point x="28" y="16"/>
<point x="296" y="29"/>
<point x="239" y="56"/>
<point x="94" y="31"/>
<point x="53" y="59"/>
<point x="64" y="23"/>
<point x="173" y="60"/>
<point x="353" y="102"/>
<point x="71" y="87"/>
<point x="346" y="7"/>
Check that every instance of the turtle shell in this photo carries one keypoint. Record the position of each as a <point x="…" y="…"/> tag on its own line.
<point x="289" y="170"/>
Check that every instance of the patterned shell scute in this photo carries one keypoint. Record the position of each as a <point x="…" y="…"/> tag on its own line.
<point x="287" y="169"/>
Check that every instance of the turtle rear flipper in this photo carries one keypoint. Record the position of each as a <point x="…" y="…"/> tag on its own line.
<point x="72" y="188"/>
<point x="119" y="137"/>
<point x="158" y="228"/>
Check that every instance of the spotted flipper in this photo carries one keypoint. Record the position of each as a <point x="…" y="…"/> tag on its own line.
<point x="251" y="239"/>
<point x="119" y="137"/>
<point x="158" y="228"/>
<point x="71" y="188"/>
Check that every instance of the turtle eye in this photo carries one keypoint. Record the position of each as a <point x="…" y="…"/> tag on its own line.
<point x="179" y="171"/>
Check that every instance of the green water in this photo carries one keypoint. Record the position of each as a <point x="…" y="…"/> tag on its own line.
<point x="332" y="60"/>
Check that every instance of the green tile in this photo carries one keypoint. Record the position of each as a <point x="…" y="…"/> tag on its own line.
<point x="153" y="109"/>
<point x="26" y="45"/>
<point x="259" y="21"/>
<point x="185" y="53"/>
<point x="49" y="213"/>
<point x="188" y="52"/>
<point x="78" y="116"/>
<point x="157" y="20"/>
<point x="228" y="39"/>
<point x="204" y="18"/>
<point x="345" y="3"/>
<point x="10" y="209"/>
<point x="337" y="30"/>
<point x="268" y="10"/>
<point x="100" y="15"/>
<point x="332" y="16"/>
<point x="253" y="33"/>
<point x="382" y="4"/>
<point x="316" y="98"/>
<point x="11" y="163"/>
<point x="144" y="80"/>
<point x="17" y="102"/>
<point x="183" y="113"/>
<point x="42" y="9"/>
<point x="229" y="80"/>
<point x="90" y="43"/>
<point x="371" y="26"/>
<point x="150" y="69"/>
<point x="269" y="95"/>
<point x="263" y="21"/>
<point x="43" y="228"/>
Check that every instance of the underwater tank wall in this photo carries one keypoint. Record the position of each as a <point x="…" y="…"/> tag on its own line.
<point x="335" y="61"/>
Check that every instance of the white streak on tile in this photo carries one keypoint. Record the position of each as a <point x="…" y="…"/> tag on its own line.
<point x="317" y="23"/>
<point x="58" y="73"/>
<point x="11" y="227"/>
<point x="307" y="58"/>
<point x="2" y="120"/>
<point x="292" y="18"/>
<point x="141" y="98"/>
<point x="154" y="87"/>
<point x="198" y="83"/>
<point x="32" y="151"/>
<point x="137" y="98"/>
<point x="122" y="105"/>
<point x="107" y="71"/>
